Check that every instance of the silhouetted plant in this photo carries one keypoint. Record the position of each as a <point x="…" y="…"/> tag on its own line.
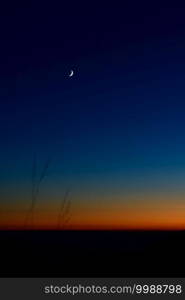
<point x="64" y="212"/>
<point x="35" y="190"/>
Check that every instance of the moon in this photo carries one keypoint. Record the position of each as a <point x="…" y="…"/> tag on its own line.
<point x="71" y="73"/>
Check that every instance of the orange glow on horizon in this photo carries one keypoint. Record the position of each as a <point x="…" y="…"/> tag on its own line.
<point x="108" y="217"/>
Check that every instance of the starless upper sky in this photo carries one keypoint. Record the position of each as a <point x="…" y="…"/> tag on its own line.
<point x="115" y="131"/>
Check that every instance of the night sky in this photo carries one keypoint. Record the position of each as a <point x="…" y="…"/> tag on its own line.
<point x="114" y="132"/>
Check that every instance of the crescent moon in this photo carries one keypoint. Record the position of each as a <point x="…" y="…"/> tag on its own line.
<point x="71" y="73"/>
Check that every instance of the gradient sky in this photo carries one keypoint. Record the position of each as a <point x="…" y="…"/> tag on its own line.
<point x="115" y="131"/>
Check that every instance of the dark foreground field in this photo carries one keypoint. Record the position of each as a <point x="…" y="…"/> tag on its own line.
<point x="92" y="254"/>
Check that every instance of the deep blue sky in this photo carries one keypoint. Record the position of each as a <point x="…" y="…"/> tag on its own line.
<point x="121" y="117"/>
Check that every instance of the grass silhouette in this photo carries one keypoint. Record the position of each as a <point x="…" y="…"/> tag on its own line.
<point x="36" y="182"/>
<point x="64" y="212"/>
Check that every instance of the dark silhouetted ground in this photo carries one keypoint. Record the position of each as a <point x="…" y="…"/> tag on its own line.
<point x="92" y="253"/>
